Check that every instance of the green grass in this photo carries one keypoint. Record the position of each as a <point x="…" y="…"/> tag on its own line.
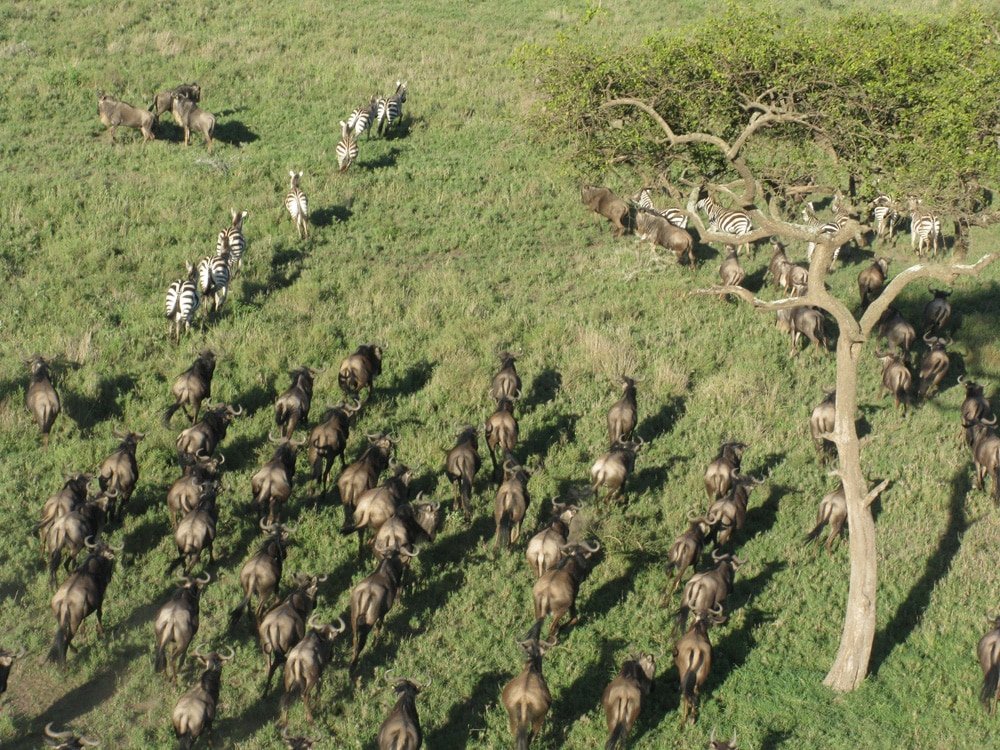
<point x="463" y="236"/>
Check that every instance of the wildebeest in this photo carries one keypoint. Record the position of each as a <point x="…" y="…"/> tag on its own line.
<point x="177" y="623"/>
<point x="371" y="600"/>
<point x="937" y="312"/>
<point x="730" y="744"/>
<point x="613" y="469"/>
<point x="81" y="594"/>
<point x="555" y="591"/>
<point x="975" y="407"/>
<point x="871" y="281"/>
<point x="686" y="550"/>
<point x="41" y="398"/>
<point x="114" y="113"/>
<point x="623" y="415"/>
<point x="285" y="625"/>
<point x="378" y="504"/>
<point x="778" y="259"/>
<point x="188" y="489"/>
<point x="833" y="512"/>
<point x="501" y="433"/>
<point x="506" y="382"/>
<point x="72" y="495"/>
<point x="604" y="202"/>
<point x="192" y="386"/>
<point x="706" y="590"/>
<point x="363" y="474"/>
<point x="793" y="279"/>
<point x="293" y="405"/>
<point x="545" y="547"/>
<point x="306" y="662"/>
<point x="196" y="531"/>
<point x="511" y="504"/>
<point x="401" y="728"/>
<point x="731" y="272"/>
<point x="164" y="100"/>
<point x="328" y="440"/>
<point x="728" y="514"/>
<point x="412" y="523"/>
<point x="659" y="231"/>
<point x="359" y="370"/>
<point x="803" y="321"/>
<point x="202" y="438"/>
<point x="68" y="533"/>
<point x="190" y="117"/>
<point x="461" y="464"/>
<point x="693" y="659"/>
<point x="933" y="366"/>
<point x="896" y="378"/>
<point x="7" y="659"/>
<point x="988" y="651"/>
<point x="623" y="697"/>
<point x="723" y="468"/>
<point x="271" y="485"/>
<point x="822" y="423"/>
<point x="195" y="710"/>
<point x="261" y="574"/>
<point x="986" y="455"/>
<point x="893" y="327"/>
<point x="119" y="472"/>
<point x="68" y="740"/>
<point x="526" y="697"/>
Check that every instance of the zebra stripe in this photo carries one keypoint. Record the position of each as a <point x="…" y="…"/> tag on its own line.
<point x="297" y="205"/>
<point x="725" y="219"/>
<point x="347" y="148"/>
<point x="233" y="236"/>
<point x="391" y="109"/>
<point x="925" y="228"/>
<point x="182" y="302"/>
<point x="213" y="277"/>
<point x="675" y="216"/>
<point x="361" y="119"/>
<point x="826" y="229"/>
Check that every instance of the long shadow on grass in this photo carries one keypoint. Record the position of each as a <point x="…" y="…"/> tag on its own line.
<point x="774" y="739"/>
<point x="235" y="133"/>
<point x="285" y="269"/>
<point x="88" y="411"/>
<point x="257" y="398"/>
<point x="555" y="429"/>
<point x="760" y="518"/>
<point x="613" y="591"/>
<point x="585" y="691"/>
<point x="543" y="389"/>
<point x="664" y="420"/>
<point x="410" y="382"/>
<point x="453" y="549"/>
<point x="467" y="714"/>
<point x="731" y="652"/>
<point x="910" y="612"/>
<point x="386" y="160"/>
<point x="14" y="386"/>
<point x="324" y="217"/>
<point x="241" y="453"/>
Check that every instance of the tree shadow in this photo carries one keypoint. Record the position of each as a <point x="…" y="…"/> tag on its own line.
<point x="663" y="421"/>
<point x="553" y="430"/>
<point x="88" y="411"/>
<point x="466" y="713"/>
<point x="388" y="159"/>
<point x="235" y="133"/>
<point x="324" y="217"/>
<point x="585" y="691"/>
<point x="417" y="376"/>
<point x="543" y="389"/>
<point x="908" y="615"/>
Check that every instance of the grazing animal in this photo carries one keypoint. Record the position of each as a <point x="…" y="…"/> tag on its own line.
<point x="833" y="513"/>
<point x="192" y="386"/>
<point x="723" y="469"/>
<point x="363" y="474"/>
<point x="731" y="272"/>
<point x="41" y="398"/>
<point x="72" y="495"/>
<point x="624" y="414"/>
<point x="372" y="598"/>
<point x="272" y="484"/>
<point x="545" y="547"/>
<point x="988" y="651"/>
<point x="285" y="625"/>
<point x="119" y="472"/>
<point x="362" y="118"/>
<point x="196" y="531"/>
<point x="232" y="239"/>
<point x="164" y="100"/>
<point x="885" y="216"/>
<point x="297" y="205"/>
<point x="937" y="312"/>
<point x="686" y="550"/>
<point x="389" y="110"/>
<point x="202" y="438"/>
<point x="401" y="728"/>
<point x="803" y="321"/>
<point x="511" y="504"/>
<point x="177" y="623"/>
<point x="821" y="424"/>
<point x="613" y="469"/>
<point x="933" y="366"/>
<point x="724" y="219"/>
<point x="80" y="594"/>
<point x="377" y="505"/>
<point x="659" y="231"/>
<point x="986" y="455"/>
<point x="506" y="383"/>
<point x="359" y="370"/>
<point x="195" y="710"/>
<point x="925" y="228"/>
<point x="306" y="662"/>
<point x="187" y="490"/>
<point x="213" y="278"/>
<point x="709" y="589"/>
<point x="893" y="327"/>
<point x="68" y="740"/>
<point x="604" y="202"/>
<point x="675" y="216"/>
<point x="896" y="378"/>
<point x="871" y="281"/>
<point x="461" y="464"/>
<point x="293" y="405"/>
<point x="693" y="659"/>
<point x="526" y="698"/>
<point x="501" y="433"/>
<point x="623" y="697"/>
<point x="974" y="408"/>
<point x="190" y="117"/>
<point x="114" y="113"/>
<point x="555" y="591"/>
<point x="261" y="574"/>
<point x="347" y="147"/>
<point x="328" y="440"/>
<point x="182" y="302"/>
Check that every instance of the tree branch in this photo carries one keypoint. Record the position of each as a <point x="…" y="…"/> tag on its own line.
<point x="875" y="491"/>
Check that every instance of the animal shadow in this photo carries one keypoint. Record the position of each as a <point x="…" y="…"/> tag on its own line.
<point x="553" y="430"/>
<point x="235" y="133"/>
<point x="402" y="128"/>
<point x="467" y="714"/>
<point x="660" y="423"/>
<point x="543" y="389"/>
<point x="324" y="217"/>
<point x="388" y="159"/>
<point x="413" y="380"/>
<point x="88" y="411"/>
<point x="586" y="690"/>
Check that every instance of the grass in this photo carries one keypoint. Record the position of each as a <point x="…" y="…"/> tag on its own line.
<point x="459" y="235"/>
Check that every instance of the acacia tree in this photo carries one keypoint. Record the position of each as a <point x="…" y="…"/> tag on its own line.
<point x="869" y="123"/>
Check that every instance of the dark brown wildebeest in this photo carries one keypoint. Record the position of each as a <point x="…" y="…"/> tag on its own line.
<point x="612" y="469"/>
<point x="545" y="547"/>
<point x="293" y="404"/>
<point x="501" y="433"/>
<point x="306" y="662"/>
<point x="604" y="202"/>
<point x="833" y="512"/>
<point x="285" y="625"/>
<point x="114" y="113"/>
<point x="988" y="651"/>
<point x="623" y="415"/>
<point x="261" y="574"/>
<point x="872" y="280"/>
<point x="81" y="594"/>
<point x="401" y="729"/>
<point x="363" y="474"/>
<point x="328" y="440"/>
<point x="555" y="591"/>
<point x="359" y="370"/>
<point x="896" y="378"/>
<point x="192" y="386"/>
<point x="202" y="438"/>
<point x="526" y="697"/>
<point x="41" y="398"/>
<point x="461" y="465"/>
<point x="195" y="711"/>
<point x="177" y="623"/>
<point x="622" y="699"/>
<point x="693" y="659"/>
<point x="506" y="383"/>
<point x="119" y="472"/>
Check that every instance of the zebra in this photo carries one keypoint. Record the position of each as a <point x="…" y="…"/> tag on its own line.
<point x="925" y="228"/>
<point x="725" y="219"/>
<point x="674" y="215"/>
<point x="825" y="229"/>
<point x="347" y="148"/>
<point x="297" y="205"/>
<point x="362" y="118"/>
<point x="390" y="109"/>
<point x="213" y="277"/>
<point x="233" y="236"/>
<point x="182" y="302"/>
<point x="884" y="216"/>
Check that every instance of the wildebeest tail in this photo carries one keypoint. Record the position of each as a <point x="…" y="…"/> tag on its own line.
<point x="237" y="613"/>
<point x="990" y="681"/>
<point x="617" y="735"/>
<point x="58" y="651"/>
<point x="161" y="658"/>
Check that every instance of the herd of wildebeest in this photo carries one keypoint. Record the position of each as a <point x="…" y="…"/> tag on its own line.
<point x="374" y="489"/>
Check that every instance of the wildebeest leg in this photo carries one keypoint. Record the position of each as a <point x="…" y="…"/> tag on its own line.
<point x="100" y="625"/>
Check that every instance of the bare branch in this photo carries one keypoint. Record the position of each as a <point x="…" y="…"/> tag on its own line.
<point x="875" y="491"/>
<point x="756" y="302"/>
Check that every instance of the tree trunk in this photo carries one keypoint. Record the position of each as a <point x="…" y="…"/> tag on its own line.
<point x="851" y="665"/>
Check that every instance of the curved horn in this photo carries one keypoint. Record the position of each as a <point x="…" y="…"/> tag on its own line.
<point x="266" y="527"/>
<point x="988" y="422"/>
<point x="221" y="459"/>
<point x="409" y="553"/>
<point x="341" y="626"/>
<point x="224" y="657"/>
<point x="56" y="735"/>
<point x="322" y="578"/>
<point x="716" y="611"/>
<point x="204" y="581"/>
<point x="311" y="622"/>
<point x="200" y="654"/>
<point x="591" y="549"/>
<point x="89" y="544"/>
<point x="927" y="337"/>
<point x="119" y="548"/>
<point x="718" y="556"/>
<point x="238" y="411"/>
<point x="961" y="379"/>
<point x="111" y="492"/>
<point x="89" y="742"/>
<point x="272" y="439"/>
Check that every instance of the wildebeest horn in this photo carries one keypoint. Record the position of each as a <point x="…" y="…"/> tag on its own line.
<point x="287" y="528"/>
<point x="119" y="433"/>
<point x="928" y="338"/>
<point x="89" y="544"/>
<point x="716" y="610"/>
<point x="204" y="581"/>
<point x="89" y="742"/>
<point x="322" y="578"/>
<point x="221" y="459"/>
<point x="718" y="555"/>
<point x="961" y="379"/>
<point x="271" y="438"/>
<point x="266" y="527"/>
<point x="426" y="683"/>
<point x="385" y="675"/>
<point x="223" y="657"/>
<point x="311" y="622"/>
<point x="341" y="626"/>
<point x="408" y="553"/>
<point x="355" y="408"/>
<point x="591" y="549"/>
<point x="119" y="548"/>
<point x="984" y="420"/>
<point x="111" y="492"/>
<point x="56" y="735"/>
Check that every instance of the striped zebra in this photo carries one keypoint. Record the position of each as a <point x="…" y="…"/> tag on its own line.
<point x="347" y="148"/>
<point x="362" y="118"/>
<point x="925" y="228"/>
<point x="182" y="302"/>
<point x="297" y="205"/>
<point x="885" y="217"/>
<point x="233" y="236"/>
<point x="724" y="219"/>
<point x="825" y="229"/>
<point x="674" y="215"/>
<point x="213" y="277"/>
<point x="390" y="109"/>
